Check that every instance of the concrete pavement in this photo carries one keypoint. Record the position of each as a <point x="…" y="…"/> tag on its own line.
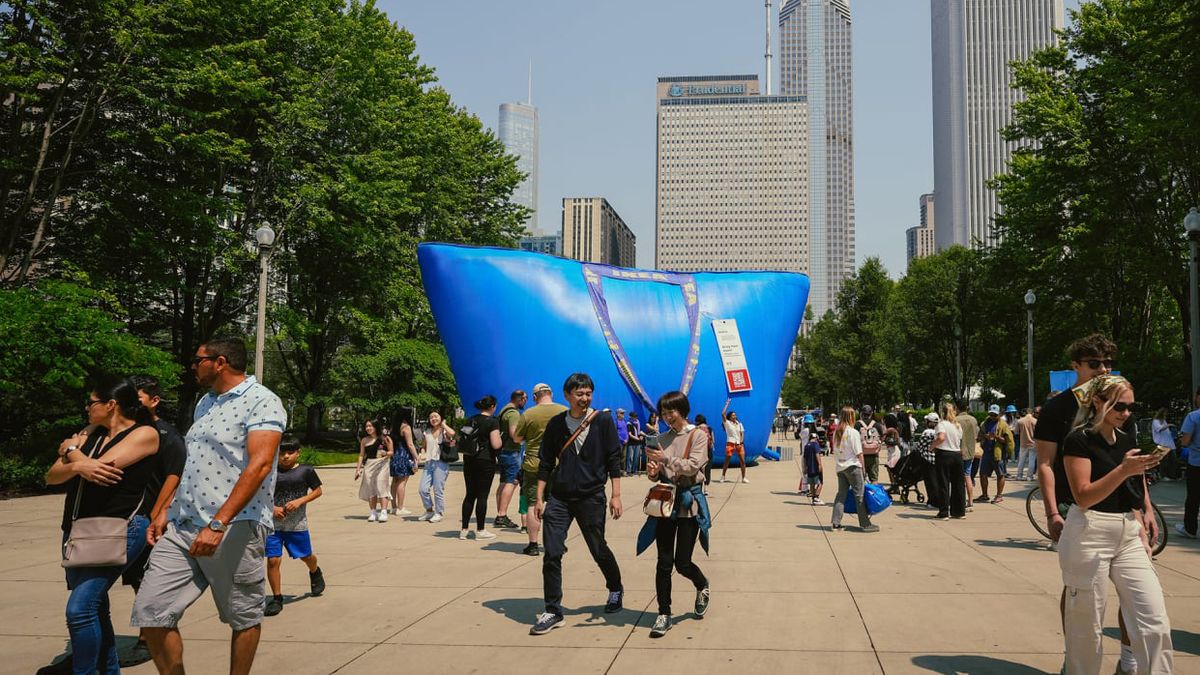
<point x="922" y="596"/>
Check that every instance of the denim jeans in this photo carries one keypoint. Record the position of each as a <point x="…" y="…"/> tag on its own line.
<point x="433" y="478"/>
<point x="631" y="457"/>
<point x="93" y="644"/>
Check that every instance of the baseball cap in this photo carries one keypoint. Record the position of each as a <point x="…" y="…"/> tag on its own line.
<point x="1011" y="408"/>
<point x="541" y="386"/>
<point x="993" y="409"/>
<point x="808" y="419"/>
<point x="932" y="417"/>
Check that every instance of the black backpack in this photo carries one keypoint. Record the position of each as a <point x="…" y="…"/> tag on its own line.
<point x="470" y="445"/>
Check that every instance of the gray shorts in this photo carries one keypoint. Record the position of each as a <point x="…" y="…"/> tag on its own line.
<point x="174" y="579"/>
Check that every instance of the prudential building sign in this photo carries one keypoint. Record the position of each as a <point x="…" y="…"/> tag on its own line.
<point x="678" y="90"/>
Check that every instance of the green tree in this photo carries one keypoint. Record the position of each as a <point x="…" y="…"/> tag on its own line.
<point x="57" y="335"/>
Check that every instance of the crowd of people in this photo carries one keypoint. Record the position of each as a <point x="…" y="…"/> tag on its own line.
<point x="215" y="509"/>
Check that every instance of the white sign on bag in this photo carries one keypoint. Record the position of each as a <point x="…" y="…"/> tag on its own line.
<point x="733" y="358"/>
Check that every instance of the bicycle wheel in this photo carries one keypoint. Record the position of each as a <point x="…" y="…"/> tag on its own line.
<point x="1033" y="506"/>
<point x="1160" y="542"/>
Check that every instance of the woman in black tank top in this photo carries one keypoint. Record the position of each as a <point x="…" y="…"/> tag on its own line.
<point x="107" y="467"/>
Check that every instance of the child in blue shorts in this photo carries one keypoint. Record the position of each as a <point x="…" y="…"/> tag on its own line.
<point x="295" y="486"/>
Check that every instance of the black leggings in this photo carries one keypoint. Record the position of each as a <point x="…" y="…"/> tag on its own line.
<point x="478" y="476"/>
<point x="676" y="539"/>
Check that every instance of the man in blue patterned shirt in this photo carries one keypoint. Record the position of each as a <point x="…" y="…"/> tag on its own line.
<point x="221" y="514"/>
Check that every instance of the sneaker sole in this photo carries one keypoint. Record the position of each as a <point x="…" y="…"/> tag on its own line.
<point x="534" y="631"/>
<point x="657" y="634"/>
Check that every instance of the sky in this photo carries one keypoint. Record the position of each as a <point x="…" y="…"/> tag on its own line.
<point x="595" y="65"/>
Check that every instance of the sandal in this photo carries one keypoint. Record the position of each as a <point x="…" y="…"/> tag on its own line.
<point x="997" y="500"/>
<point x="982" y="499"/>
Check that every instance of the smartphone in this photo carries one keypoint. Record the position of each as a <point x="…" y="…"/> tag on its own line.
<point x="1158" y="451"/>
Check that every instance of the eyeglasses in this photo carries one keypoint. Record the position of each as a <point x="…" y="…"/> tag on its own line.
<point x="197" y="359"/>
<point x="1095" y="364"/>
<point x="1124" y="407"/>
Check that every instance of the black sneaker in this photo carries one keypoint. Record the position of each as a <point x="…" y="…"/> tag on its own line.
<point x="614" y="603"/>
<point x="546" y="622"/>
<point x="274" y="605"/>
<point x="869" y="528"/>
<point x="662" y="624"/>
<point x="532" y="549"/>
<point x="316" y="582"/>
<point x="702" y="597"/>
<point x="500" y="521"/>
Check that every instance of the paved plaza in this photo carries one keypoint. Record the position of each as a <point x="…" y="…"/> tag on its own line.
<point x="788" y="595"/>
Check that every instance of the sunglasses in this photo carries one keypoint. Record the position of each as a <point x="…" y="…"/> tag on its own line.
<point x="1095" y="364"/>
<point x="89" y="403"/>
<point x="1124" y="407"/>
<point x="196" y="360"/>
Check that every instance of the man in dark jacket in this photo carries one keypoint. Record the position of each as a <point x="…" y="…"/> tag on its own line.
<point x="579" y="453"/>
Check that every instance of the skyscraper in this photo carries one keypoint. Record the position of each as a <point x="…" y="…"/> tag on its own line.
<point x="519" y="133"/>
<point x="732" y="176"/>
<point x="593" y="232"/>
<point x="919" y="240"/>
<point x="973" y="43"/>
<point x="815" y="63"/>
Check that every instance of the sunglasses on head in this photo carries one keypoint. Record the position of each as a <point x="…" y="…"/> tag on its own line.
<point x="1124" y="407"/>
<point x="1095" y="364"/>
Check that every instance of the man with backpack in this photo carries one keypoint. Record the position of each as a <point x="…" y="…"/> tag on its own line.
<point x="997" y="445"/>
<point x="579" y="452"/>
<point x="871" y="431"/>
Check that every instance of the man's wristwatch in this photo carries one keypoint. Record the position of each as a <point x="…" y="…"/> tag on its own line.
<point x="217" y="526"/>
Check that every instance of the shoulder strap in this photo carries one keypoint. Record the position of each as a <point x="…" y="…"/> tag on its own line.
<point x="688" y="451"/>
<point x="98" y="444"/>
<point x="584" y="425"/>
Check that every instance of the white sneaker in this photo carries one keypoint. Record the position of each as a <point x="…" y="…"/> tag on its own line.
<point x="382" y="516"/>
<point x="425" y="516"/>
<point x="484" y="534"/>
<point x="724" y="480"/>
<point x="462" y="535"/>
<point x="373" y="517"/>
<point x="817" y="501"/>
<point x="403" y="512"/>
<point x="437" y="518"/>
<point x="1183" y="531"/>
<point x="745" y="480"/>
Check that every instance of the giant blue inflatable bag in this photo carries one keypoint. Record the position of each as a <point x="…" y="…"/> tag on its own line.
<point x="510" y="319"/>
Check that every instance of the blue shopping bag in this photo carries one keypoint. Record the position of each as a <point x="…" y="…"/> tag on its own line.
<point x="876" y="497"/>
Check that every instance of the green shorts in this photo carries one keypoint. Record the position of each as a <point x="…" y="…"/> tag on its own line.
<point x="529" y="481"/>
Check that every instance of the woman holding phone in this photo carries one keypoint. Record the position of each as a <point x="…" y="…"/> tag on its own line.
<point x="1102" y="538"/>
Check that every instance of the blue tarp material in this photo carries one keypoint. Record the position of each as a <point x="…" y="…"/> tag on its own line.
<point x="1062" y="380"/>
<point x="510" y="319"/>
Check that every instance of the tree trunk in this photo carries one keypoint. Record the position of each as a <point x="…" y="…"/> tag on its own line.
<point x="312" y="426"/>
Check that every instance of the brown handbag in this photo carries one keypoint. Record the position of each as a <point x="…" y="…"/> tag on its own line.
<point x="660" y="500"/>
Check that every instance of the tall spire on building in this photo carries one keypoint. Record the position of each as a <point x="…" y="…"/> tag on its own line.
<point x="768" y="52"/>
<point x="529" y="98"/>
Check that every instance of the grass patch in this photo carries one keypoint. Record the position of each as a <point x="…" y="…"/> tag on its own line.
<point x="320" y="457"/>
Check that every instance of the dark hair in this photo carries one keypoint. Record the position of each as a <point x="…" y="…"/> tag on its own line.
<point x="517" y="395"/>
<point x="1096" y="345"/>
<point x="486" y="402"/>
<point x="233" y="349"/>
<point x="890" y="421"/>
<point x="674" y="400"/>
<point x="147" y="384"/>
<point x="578" y="381"/>
<point x="404" y="416"/>
<point x="123" y="392"/>
<point x="289" y="444"/>
<point x="701" y="419"/>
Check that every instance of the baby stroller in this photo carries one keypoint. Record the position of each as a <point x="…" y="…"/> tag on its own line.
<point x="910" y="469"/>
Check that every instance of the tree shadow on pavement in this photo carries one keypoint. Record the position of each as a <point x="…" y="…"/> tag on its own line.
<point x="949" y="664"/>
<point x="525" y="610"/>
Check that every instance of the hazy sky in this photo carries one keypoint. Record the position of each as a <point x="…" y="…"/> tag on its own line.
<point x="595" y="65"/>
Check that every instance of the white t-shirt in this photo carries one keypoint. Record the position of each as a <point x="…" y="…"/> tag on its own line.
<point x="846" y="453"/>
<point x="734" y="432"/>
<point x="953" y="436"/>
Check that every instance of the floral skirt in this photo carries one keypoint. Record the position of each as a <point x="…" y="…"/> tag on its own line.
<point x="402" y="465"/>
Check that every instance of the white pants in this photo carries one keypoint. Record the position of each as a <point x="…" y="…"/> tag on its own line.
<point x="1095" y="547"/>
<point x="1027" y="456"/>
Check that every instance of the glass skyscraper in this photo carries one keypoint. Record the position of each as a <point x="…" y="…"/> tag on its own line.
<point x="815" y="62"/>
<point x="519" y="133"/>
<point x="973" y="43"/>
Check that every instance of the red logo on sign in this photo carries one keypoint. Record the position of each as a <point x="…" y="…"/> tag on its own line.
<point x="739" y="380"/>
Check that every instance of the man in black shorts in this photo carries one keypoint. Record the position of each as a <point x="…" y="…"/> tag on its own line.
<point x="1091" y="357"/>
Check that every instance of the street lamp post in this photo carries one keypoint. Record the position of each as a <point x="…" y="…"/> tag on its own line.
<point x="958" y="383"/>
<point x="1030" y="298"/>
<point x="265" y="237"/>
<point x="1191" y="224"/>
